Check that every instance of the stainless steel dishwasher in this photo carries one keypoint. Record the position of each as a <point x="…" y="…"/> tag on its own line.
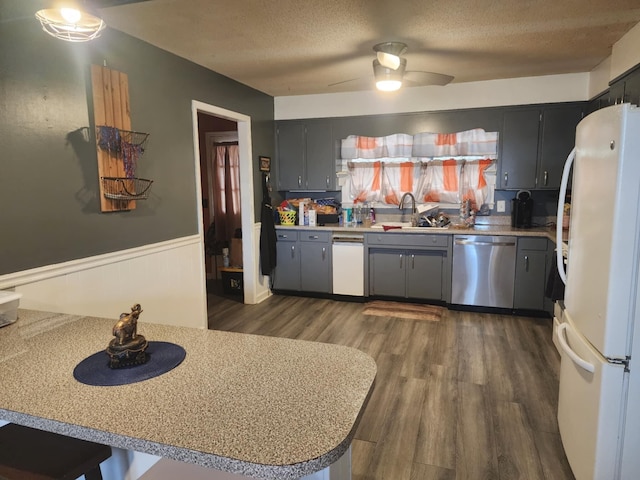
<point x="484" y="269"/>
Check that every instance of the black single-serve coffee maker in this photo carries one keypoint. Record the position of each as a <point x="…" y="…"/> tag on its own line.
<point x="522" y="209"/>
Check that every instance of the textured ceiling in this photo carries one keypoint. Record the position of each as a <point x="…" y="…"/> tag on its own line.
<point x="295" y="47"/>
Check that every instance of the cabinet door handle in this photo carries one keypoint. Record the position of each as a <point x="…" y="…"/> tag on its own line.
<point x="324" y="253"/>
<point x="526" y="263"/>
<point x="293" y="251"/>
<point x="413" y="262"/>
<point x="327" y="181"/>
<point x="283" y="236"/>
<point x="313" y="237"/>
<point x="506" y="178"/>
<point x="400" y="260"/>
<point x="546" y="178"/>
<point x="299" y="180"/>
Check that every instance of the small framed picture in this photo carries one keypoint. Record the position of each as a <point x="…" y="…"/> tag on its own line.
<point x="265" y="164"/>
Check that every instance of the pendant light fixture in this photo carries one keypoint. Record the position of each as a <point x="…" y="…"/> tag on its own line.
<point x="71" y="21"/>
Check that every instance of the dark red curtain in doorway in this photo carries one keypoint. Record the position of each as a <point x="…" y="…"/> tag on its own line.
<point x="226" y="191"/>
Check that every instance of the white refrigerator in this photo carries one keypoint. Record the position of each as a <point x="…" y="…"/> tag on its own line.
<point x="599" y="398"/>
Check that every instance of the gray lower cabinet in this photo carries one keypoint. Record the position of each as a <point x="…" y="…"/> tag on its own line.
<point x="532" y="270"/>
<point x="410" y="266"/>
<point x="303" y="261"/>
<point x="315" y="262"/>
<point x="286" y="275"/>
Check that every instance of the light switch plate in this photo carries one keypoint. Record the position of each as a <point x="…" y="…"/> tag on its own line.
<point x="500" y="206"/>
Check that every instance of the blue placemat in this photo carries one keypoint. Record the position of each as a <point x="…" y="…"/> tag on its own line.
<point x="94" y="370"/>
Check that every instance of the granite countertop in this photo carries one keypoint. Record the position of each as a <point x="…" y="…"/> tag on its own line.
<point x="479" y="229"/>
<point x="259" y="406"/>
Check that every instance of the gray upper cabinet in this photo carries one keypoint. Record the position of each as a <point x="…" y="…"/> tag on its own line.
<point x="519" y="149"/>
<point x="558" y="138"/>
<point x="626" y="88"/>
<point x="632" y="88"/>
<point x="291" y="155"/>
<point x="535" y="144"/>
<point x="306" y="155"/>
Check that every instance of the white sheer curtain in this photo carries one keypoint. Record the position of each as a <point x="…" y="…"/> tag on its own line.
<point x="434" y="167"/>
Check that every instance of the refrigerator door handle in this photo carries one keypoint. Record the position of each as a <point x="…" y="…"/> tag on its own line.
<point x="581" y="362"/>
<point x="561" y="198"/>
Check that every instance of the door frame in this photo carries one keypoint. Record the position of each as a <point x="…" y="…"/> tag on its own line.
<point x="249" y="247"/>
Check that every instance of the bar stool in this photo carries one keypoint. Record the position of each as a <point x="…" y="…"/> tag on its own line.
<point x="30" y="454"/>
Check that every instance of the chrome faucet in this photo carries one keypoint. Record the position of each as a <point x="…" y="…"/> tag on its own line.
<point x="413" y="206"/>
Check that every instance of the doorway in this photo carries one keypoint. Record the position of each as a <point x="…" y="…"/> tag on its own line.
<point x="254" y="286"/>
<point x="221" y="214"/>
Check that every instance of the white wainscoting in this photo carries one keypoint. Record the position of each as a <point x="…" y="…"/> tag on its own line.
<point x="167" y="279"/>
<point x="256" y="287"/>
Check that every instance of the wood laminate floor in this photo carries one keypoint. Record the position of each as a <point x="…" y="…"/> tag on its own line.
<point x="472" y="396"/>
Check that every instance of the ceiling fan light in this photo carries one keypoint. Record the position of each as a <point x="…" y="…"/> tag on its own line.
<point x="392" y="48"/>
<point x="387" y="79"/>
<point x="388" y="85"/>
<point x="70" y="24"/>
<point x="388" y="60"/>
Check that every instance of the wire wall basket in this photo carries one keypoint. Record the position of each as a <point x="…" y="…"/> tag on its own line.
<point x="125" y="145"/>
<point x="124" y="188"/>
<point x="114" y="140"/>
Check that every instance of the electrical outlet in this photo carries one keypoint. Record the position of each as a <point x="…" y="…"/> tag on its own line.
<point x="500" y="206"/>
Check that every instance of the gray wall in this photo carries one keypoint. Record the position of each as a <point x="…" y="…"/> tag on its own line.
<point x="49" y="204"/>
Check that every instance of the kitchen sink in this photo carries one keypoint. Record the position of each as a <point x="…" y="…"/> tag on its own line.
<point x="393" y="224"/>
<point x="406" y="226"/>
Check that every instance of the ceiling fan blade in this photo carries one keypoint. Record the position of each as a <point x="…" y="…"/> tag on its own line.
<point x="345" y="81"/>
<point x="388" y="60"/>
<point x="427" y="78"/>
<point x="353" y="84"/>
<point x="112" y="3"/>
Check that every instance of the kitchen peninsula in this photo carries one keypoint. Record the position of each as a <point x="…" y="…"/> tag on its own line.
<point x="257" y="406"/>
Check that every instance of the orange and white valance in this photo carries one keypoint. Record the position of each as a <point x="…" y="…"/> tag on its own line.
<point x="398" y="145"/>
<point x="474" y="142"/>
<point x="425" y="145"/>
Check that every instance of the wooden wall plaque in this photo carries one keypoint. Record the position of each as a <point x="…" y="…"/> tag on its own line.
<point x="111" y="109"/>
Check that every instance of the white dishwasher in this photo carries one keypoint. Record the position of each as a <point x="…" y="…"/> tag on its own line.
<point x="348" y="264"/>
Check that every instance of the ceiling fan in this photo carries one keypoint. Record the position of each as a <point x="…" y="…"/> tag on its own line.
<point x="390" y="69"/>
